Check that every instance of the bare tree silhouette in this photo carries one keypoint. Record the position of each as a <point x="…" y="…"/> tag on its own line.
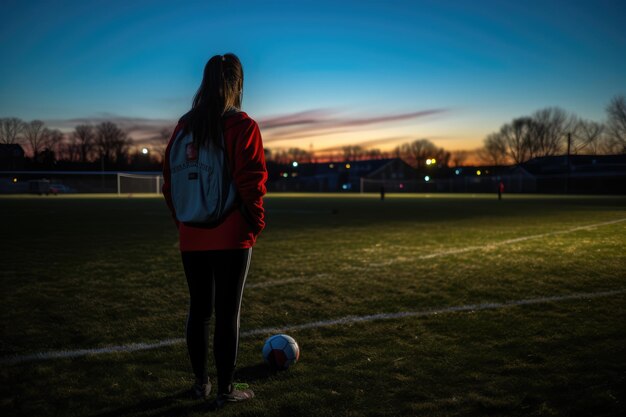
<point x="543" y="134"/>
<point x="290" y="155"/>
<point x="111" y="143"/>
<point x="494" y="151"/>
<point x="53" y="140"/>
<point x="616" y="123"/>
<point x="353" y="153"/>
<point x="420" y="150"/>
<point x="84" y="138"/>
<point x="375" y="154"/>
<point x="587" y="137"/>
<point x="459" y="157"/>
<point x="517" y="137"/>
<point x="163" y="139"/>
<point x="35" y="134"/>
<point x="549" y="134"/>
<point x="11" y="129"/>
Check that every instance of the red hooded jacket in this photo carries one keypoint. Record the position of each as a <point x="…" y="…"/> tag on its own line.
<point x="246" y="160"/>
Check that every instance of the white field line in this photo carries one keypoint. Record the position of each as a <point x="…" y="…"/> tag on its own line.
<point x="501" y="243"/>
<point x="11" y="360"/>
<point x="441" y="253"/>
<point x="457" y="251"/>
<point x="345" y="320"/>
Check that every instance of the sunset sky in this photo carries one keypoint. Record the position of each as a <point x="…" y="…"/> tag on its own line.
<point x="359" y="72"/>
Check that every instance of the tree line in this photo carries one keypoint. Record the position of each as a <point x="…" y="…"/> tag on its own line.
<point x="553" y="131"/>
<point x="103" y="145"/>
<point x="414" y="153"/>
<point x="547" y="132"/>
<point x="343" y="154"/>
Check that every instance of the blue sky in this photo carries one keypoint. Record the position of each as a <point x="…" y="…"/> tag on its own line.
<point x="483" y="62"/>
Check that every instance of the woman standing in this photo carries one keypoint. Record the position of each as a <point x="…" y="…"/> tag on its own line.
<point x="216" y="258"/>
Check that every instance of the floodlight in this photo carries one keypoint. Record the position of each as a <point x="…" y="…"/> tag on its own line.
<point x="426" y="178"/>
<point x="294" y="164"/>
<point x="144" y="151"/>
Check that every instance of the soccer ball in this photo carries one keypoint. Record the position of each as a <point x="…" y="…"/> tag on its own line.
<point x="281" y="351"/>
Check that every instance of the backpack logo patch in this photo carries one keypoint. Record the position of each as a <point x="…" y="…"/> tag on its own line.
<point x="191" y="152"/>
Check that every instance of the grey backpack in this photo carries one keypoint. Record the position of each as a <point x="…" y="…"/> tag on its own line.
<point x="202" y="188"/>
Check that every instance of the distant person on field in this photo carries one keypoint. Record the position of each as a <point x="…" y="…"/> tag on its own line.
<point x="216" y="258"/>
<point x="500" y="190"/>
<point x="382" y="193"/>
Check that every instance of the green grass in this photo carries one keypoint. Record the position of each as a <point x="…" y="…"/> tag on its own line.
<point x="85" y="272"/>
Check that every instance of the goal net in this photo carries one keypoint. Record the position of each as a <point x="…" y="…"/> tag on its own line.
<point x="139" y="183"/>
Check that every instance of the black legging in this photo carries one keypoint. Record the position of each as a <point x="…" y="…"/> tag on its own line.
<point x="215" y="277"/>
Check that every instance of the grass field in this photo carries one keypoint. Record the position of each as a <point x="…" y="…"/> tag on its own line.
<point x="91" y="272"/>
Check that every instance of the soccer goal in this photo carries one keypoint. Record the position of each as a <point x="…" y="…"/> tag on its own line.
<point x="139" y="183"/>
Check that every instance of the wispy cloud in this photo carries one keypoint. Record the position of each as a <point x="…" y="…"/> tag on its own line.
<point x="306" y="117"/>
<point x="308" y="124"/>
<point x="367" y="143"/>
<point x="142" y="131"/>
<point x="129" y="124"/>
<point x="320" y="122"/>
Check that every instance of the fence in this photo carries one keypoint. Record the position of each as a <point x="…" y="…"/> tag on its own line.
<point x="151" y="182"/>
<point x="14" y="182"/>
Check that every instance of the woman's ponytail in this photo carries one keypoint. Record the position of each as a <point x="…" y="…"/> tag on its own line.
<point x="220" y="91"/>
